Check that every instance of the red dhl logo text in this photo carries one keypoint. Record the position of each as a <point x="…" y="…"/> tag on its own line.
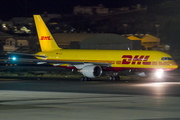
<point x="46" y="38"/>
<point x="137" y="59"/>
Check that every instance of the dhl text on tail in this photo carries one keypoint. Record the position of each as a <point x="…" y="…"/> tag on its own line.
<point x="91" y="63"/>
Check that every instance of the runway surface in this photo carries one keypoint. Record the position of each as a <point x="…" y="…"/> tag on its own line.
<point x="71" y="99"/>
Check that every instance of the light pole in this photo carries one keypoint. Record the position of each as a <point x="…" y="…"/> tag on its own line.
<point x="125" y="28"/>
<point x="157" y="27"/>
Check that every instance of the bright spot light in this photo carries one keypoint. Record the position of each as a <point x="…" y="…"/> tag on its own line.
<point x="159" y="73"/>
<point x="4" y="25"/>
<point x="14" y="58"/>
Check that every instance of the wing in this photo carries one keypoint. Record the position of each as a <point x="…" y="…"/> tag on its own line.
<point x="21" y="57"/>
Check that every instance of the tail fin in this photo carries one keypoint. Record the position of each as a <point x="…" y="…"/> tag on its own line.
<point x="46" y="40"/>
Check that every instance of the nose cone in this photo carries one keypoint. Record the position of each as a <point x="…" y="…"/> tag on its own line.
<point x="176" y="65"/>
<point x="171" y="66"/>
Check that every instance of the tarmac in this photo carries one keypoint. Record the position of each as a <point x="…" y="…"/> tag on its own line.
<point x="21" y="105"/>
<point x="48" y="98"/>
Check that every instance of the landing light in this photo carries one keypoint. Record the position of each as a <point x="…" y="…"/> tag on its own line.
<point x="159" y="73"/>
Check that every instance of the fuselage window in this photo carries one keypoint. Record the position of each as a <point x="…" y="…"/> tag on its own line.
<point x="170" y="58"/>
<point x="166" y="58"/>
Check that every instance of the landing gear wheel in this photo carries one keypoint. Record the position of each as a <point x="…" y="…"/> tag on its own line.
<point x="117" y="78"/>
<point x="113" y="78"/>
<point x="85" y="78"/>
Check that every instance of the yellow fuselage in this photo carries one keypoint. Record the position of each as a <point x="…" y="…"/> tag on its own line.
<point x="119" y="59"/>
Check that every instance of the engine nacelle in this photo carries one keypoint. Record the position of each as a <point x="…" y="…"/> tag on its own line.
<point x="91" y="71"/>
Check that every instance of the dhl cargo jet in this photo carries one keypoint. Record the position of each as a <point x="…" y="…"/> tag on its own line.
<point x="91" y="63"/>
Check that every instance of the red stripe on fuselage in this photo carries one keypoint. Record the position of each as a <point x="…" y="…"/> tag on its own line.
<point x="122" y="68"/>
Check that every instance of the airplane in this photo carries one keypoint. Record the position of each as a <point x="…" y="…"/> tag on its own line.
<point x="91" y="63"/>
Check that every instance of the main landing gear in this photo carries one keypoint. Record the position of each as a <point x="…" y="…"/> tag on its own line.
<point x="114" y="77"/>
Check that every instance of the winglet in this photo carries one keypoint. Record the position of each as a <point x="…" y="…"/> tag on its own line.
<point x="46" y="40"/>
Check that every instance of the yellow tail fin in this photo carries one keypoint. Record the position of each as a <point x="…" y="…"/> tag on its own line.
<point x="46" y="40"/>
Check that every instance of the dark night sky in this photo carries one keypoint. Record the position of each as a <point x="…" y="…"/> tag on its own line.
<point x="26" y="8"/>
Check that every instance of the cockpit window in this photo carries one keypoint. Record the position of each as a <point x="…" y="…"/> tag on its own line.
<point x="166" y="58"/>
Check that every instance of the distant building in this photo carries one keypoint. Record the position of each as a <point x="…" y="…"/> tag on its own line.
<point x="69" y="40"/>
<point x="132" y="8"/>
<point x="113" y="10"/>
<point x="30" y="21"/>
<point x="22" y="20"/>
<point x="12" y="44"/>
<point x="107" y="41"/>
<point x="22" y="43"/>
<point x="148" y="41"/>
<point x="4" y="36"/>
<point x="139" y="7"/>
<point x="46" y="15"/>
<point x="91" y="10"/>
<point x="22" y="46"/>
<point x="9" y="45"/>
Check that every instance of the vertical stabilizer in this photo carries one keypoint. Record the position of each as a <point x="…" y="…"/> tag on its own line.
<point x="46" y="40"/>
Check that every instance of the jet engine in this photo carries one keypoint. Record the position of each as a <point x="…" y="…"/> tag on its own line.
<point x="91" y="71"/>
